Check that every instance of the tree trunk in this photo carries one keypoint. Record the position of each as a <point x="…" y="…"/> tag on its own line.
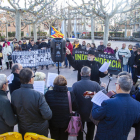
<point x="49" y="30"/>
<point x="7" y="30"/>
<point x="35" y="32"/>
<point x="18" y="25"/>
<point x="29" y="30"/>
<point x="65" y="36"/>
<point x="92" y="29"/>
<point x="125" y="34"/>
<point x="106" y="31"/>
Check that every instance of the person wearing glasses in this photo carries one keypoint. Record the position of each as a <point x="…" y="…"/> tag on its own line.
<point x="117" y="115"/>
<point x="109" y="50"/>
<point x="30" y="106"/>
<point x="7" y="117"/>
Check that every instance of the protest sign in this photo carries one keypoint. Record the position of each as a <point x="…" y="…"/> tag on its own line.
<point x="32" y="58"/>
<point x="115" y="66"/>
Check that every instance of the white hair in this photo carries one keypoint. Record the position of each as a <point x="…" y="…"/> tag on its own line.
<point x="3" y="78"/>
<point x="40" y="76"/>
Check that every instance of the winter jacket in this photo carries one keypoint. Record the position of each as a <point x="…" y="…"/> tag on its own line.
<point x="7" y="43"/>
<point x="57" y="99"/>
<point x="12" y="44"/>
<point x="93" y="49"/>
<point x="85" y="105"/>
<point x="43" y="45"/>
<point x="109" y="50"/>
<point x="24" y="47"/>
<point x="7" y="117"/>
<point x="101" y="48"/>
<point x="7" y="50"/>
<point x="15" y="83"/>
<point x="124" y="52"/>
<point x="32" y="48"/>
<point x="83" y="47"/>
<point x="31" y="109"/>
<point x="70" y="47"/>
<point x="116" y="115"/>
<point x="131" y="59"/>
<point x="95" y="73"/>
<point x="49" y="44"/>
<point x="37" y="43"/>
<point x="137" y="62"/>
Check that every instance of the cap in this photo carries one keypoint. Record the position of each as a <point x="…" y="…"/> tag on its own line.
<point x="91" y="52"/>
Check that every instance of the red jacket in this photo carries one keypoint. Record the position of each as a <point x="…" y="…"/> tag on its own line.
<point x="70" y="47"/>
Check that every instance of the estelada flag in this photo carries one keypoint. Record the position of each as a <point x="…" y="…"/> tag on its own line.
<point x="55" y="33"/>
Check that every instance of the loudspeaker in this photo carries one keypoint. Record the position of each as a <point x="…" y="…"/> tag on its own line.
<point x="58" y="49"/>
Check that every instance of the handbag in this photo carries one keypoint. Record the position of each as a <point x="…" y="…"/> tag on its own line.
<point x="10" y="57"/>
<point x="75" y="123"/>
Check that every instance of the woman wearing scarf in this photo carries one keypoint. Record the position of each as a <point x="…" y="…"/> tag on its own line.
<point x="77" y="45"/>
<point x="109" y="50"/>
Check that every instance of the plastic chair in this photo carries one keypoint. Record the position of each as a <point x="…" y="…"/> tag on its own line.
<point x="34" y="136"/>
<point x="11" y="136"/>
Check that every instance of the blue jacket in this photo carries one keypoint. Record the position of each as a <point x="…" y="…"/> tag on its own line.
<point x="116" y="115"/>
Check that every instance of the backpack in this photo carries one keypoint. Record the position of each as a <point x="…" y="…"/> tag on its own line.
<point x="75" y="124"/>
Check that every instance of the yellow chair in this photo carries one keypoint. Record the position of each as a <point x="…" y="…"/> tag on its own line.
<point x="34" y="136"/>
<point x="11" y="136"/>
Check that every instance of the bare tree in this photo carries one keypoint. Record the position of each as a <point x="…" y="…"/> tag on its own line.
<point x="30" y="6"/>
<point x="106" y="9"/>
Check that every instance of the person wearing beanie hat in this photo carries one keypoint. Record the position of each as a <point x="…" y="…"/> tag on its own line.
<point x="94" y="65"/>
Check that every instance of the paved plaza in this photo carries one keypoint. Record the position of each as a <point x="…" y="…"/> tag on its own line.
<point x="71" y="76"/>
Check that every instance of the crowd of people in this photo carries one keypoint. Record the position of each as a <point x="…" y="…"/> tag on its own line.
<point x="38" y="113"/>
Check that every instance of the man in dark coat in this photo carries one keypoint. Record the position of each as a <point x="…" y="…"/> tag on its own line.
<point x="85" y="105"/>
<point x="117" y="115"/>
<point x="43" y="45"/>
<point x="30" y="106"/>
<point x="38" y="42"/>
<point x="101" y="47"/>
<point x="32" y="46"/>
<point x="7" y="117"/>
<point x="14" y="81"/>
<point x="95" y="73"/>
<point x="24" y="46"/>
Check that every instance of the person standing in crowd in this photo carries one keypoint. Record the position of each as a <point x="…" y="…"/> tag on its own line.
<point x="1" y="56"/>
<point x="85" y="105"/>
<point x="73" y="43"/>
<point x="43" y="46"/>
<point x="138" y="45"/>
<point x="135" y="48"/>
<point x="32" y="46"/>
<point x="70" y="47"/>
<point x="6" y="41"/>
<point x="88" y="46"/>
<point x="109" y="50"/>
<point x="116" y="49"/>
<point x="77" y="45"/>
<point x="38" y="42"/>
<point x="30" y="106"/>
<point x="58" y="102"/>
<point x="117" y="115"/>
<point x="6" y="52"/>
<point x="29" y="43"/>
<point x="83" y="45"/>
<point x="40" y="76"/>
<point x="12" y="44"/>
<point x="137" y="66"/>
<point x="123" y="54"/>
<point x="14" y="81"/>
<point x="93" y="47"/>
<point x="7" y="117"/>
<point x="131" y="61"/>
<point x="20" y="43"/>
<point x="24" y="45"/>
<point x="17" y="48"/>
<point x="94" y="65"/>
<point x="101" y="47"/>
<point x="49" y="42"/>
